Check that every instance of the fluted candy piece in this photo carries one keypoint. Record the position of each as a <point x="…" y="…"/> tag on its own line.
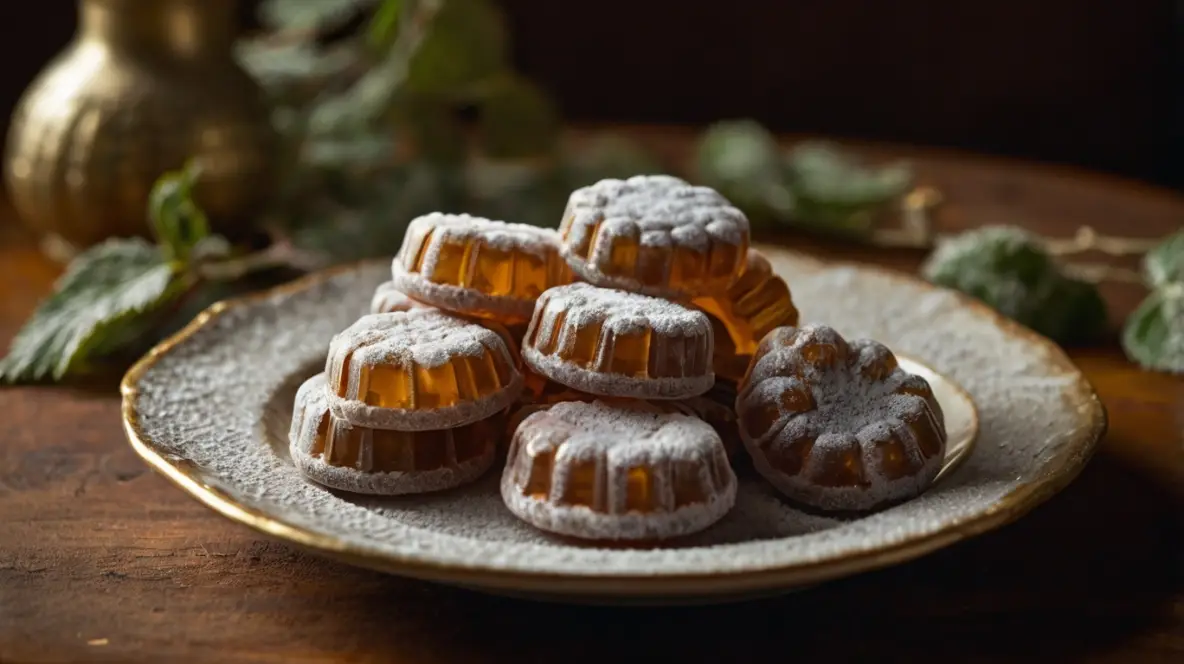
<point x="418" y="370"/>
<point x="479" y="267"/>
<point x="388" y="299"/>
<point x="332" y="452"/>
<point x="654" y="234"/>
<point x="756" y="304"/>
<point x="837" y="425"/>
<point x="619" y="471"/>
<point x="613" y="343"/>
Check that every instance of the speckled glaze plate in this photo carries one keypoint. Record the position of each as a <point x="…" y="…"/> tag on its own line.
<point x="210" y="409"/>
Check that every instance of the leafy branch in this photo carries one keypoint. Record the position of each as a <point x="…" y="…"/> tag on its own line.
<point x="388" y="109"/>
<point x="1041" y="282"/>
<point x="119" y="296"/>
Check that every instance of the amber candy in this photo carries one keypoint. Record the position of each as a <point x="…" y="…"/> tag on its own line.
<point x="721" y="417"/>
<point x="838" y="426"/>
<point x="715" y="407"/>
<point x="626" y="470"/>
<point x="757" y="303"/>
<point x="619" y="344"/>
<point x="478" y="267"/>
<point x="654" y="234"/>
<point x="388" y="299"/>
<point x="332" y="452"/>
<point x="540" y="393"/>
<point x="539" y="389"/>
<point x="418" y="370"/>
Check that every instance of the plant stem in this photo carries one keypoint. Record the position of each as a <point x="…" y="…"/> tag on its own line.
<point x="58" y="249"/>
<point x="1087" y="239"/>
<point x="1097" y="273"/>
<point x="915" y="231"/>
<point x="231" y="269"/>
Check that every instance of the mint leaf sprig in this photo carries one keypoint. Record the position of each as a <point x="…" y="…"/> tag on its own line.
<point x="96" y="304"/>
<point x="115" y="294"/>
<point x="1034" y="281"/>
<point x="1038" y="281"/>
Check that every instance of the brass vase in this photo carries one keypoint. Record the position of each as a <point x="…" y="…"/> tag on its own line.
<point x="144" y="86"/>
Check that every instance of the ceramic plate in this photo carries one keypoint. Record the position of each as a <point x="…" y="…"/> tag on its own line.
<point x="210" y="409"/>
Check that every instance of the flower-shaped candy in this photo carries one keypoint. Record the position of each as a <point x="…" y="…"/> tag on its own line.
<point x="654" y="234"/>
<point x="838" y="426"/>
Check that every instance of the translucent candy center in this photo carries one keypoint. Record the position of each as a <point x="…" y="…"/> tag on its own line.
<point x="638" y="354"/>
<point x="378" y="450"/>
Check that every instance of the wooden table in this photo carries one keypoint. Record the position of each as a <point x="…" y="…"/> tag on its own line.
<point x="100" y="559"/>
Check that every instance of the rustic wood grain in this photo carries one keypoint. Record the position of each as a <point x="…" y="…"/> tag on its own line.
<point x="101" y="560"/>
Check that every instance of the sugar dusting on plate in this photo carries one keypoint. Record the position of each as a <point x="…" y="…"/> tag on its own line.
<point x="209" y="401"/>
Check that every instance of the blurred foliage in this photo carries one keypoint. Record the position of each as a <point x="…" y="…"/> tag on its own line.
<point x="831" y="191"/>
<point x="1154" y="334"/>
<point x="389" y="109"/>
<point x="416" y="108"/>
<point x="1164" y="264"/>
<point x="393" y="118"/>
<point x="1010" y="270"/>
<point x="113" y="292"/>
<point x="814" y="186"/>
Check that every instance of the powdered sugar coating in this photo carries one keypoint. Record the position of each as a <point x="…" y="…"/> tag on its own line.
<point x="820" y="417"/>
<point x="652" y="211"/>
<point x="620" y="311"/>
<point x="616" y="439"/>
<point x="678" y="341"/>
<point x="392" y="483"/>
<point x="217" y="406"/>
<point x="409" y="340"/>
<point x="718" y="415"/>
<point x="461" y="300"/>
<point x="311" y="413"/>
<point x="389" y="299"/>
<point x="417" y="268"/>
<point x="464" y="228"/>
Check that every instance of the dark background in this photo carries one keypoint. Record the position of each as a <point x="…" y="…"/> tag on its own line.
<point x="1087" y="82"/>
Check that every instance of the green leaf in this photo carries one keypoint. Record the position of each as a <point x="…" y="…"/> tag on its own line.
<point x="359" y="153"/>
<point x="178" y="222"/>
<point x="295" y="68"/>
<point x="517" y="192"/>
<point x="824" y="172"/>
<point x="1072" y="312"/>
<point x="518" y="119"/>
<point x="980" y="257"/>
<point x="831" y="190"/>
<point x="105" y="292"/>
<point x="741" y="160"/>
<point x="363" y="104"/>
<point x="466" y="43"/>
<point x="829" y="217"/>
<point x="429" y="122"/>
<point x="310" y="15"/>
<point x="1154" y="334"/>
<point x="604" y="157"/>
<point x="384" y="24"/>
<point x="331" y="234"/>
<point x="1008" y="269"/>
<point x="1165" y="263"/>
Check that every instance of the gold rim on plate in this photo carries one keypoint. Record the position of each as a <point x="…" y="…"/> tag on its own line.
<point x="186" y="475"/>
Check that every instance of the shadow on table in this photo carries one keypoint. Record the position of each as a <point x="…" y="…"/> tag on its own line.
<point x="1089" y="570"/>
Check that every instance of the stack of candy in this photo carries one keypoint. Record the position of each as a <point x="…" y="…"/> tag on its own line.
<point x="627" y="357"/>
<point x="415" y="394"/>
